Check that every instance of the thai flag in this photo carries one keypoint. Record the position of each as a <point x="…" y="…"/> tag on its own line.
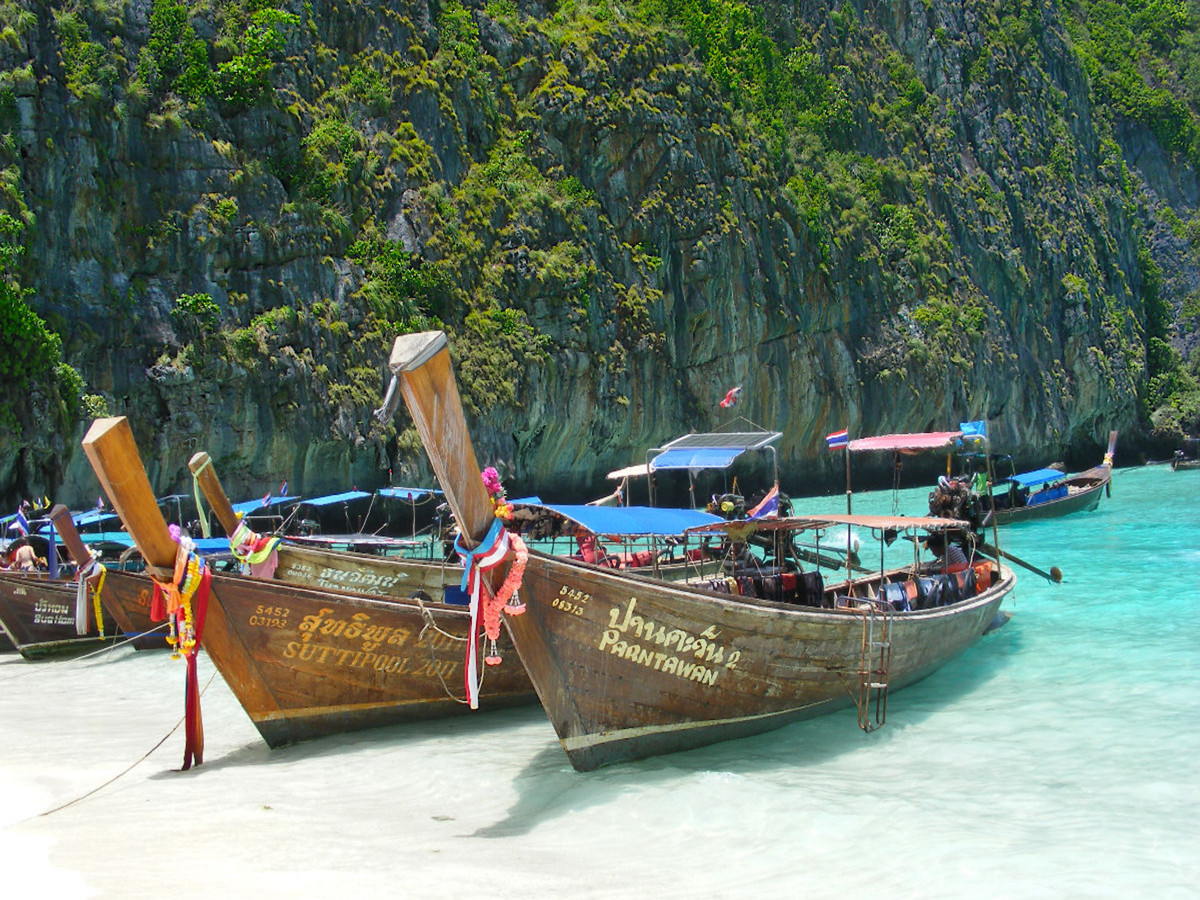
<point x="732" y="397"/>
<point x="266" y="498"/>
<point x="20" y="523"/>
<point x="767" y="507"/>
<point x="838" y="439"/>
<point x="283" y="489"/>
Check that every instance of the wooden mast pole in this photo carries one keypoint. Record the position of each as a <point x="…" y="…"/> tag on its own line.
<point x="60" y="517"/>
<point x="202" y="468"/>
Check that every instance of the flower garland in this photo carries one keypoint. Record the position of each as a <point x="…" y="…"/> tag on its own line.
<point x="493" y="605"/>
<point x="500" y="505"/>
<point x="189" y="581"/>
<point x="189" y="573"/>
<point x="505" y="599"/>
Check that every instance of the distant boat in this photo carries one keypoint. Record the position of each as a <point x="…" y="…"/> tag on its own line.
<point x="1188" y="457"/>
<point x="38" y="614"/>
<point x="42" y="613"/>
<point x="628" y="667"/>
<point x="1049" y="493"/>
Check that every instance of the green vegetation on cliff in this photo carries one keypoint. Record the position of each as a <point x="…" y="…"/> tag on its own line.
<point x="599" y="194"/>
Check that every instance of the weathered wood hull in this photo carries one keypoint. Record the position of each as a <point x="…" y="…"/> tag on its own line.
<point x="362" y="573"/>
<point x="305" y="662"/>
<point x="127" y="597"/>
<point x="38" y="615"/>
<point x="629" y="668"/>
<point x="1084" y="493"/>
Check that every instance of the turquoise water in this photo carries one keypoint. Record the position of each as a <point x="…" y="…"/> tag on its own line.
<point x="1058" y="758"/>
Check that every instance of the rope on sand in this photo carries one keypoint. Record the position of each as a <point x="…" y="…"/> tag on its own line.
<point x="128" y="768"/>
<point x="54" y="665"/>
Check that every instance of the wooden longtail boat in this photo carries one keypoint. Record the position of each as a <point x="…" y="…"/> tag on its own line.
<point x="1045" y="495"/>
<point x="628" y="667"/>
<point x="40" y="611"/>
<point x="310" y="661"/>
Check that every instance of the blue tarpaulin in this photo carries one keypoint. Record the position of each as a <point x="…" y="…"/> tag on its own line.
<point x="249" y="506"/>
<point x="209" y="546"/>
<point x="407" y="493"/>
<point x="92" y="517"/>
<point x="331" y="499"/>
<point x="696" y="458"/>
<point x="712" y="450"/>
<point x="1037" y="477"/>
<point x="204" y="546"/>
<point x="107" y="537"/>
<point x="634" y="521"/>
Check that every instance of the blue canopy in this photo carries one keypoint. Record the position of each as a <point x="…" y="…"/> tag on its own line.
<point x="209" y="546"/>
<point x="713" y="450"/>
<point x="634" y="521"/>
<point x="92" y="517"/>
<point x="1037" y="477"/>
<point x="331" y="499"/>
<point x="249" y="506"/>
<point x="696" y="458"/>
<point x="407" y="493"/>
<point x="107" y="537"/>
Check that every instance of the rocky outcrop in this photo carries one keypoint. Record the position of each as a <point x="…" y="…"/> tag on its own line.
<point x="617" y="243"/>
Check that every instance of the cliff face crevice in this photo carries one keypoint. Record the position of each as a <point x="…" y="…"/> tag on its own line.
<point x="612" y="238"/>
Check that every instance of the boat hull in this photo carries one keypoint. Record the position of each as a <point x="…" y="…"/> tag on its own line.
<point x="38" y="615"/>
<point x="628" y="668"/>
<point x="362" y="573"/>
<point x="305" y="662"/>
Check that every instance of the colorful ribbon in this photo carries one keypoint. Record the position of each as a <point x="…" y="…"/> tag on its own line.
<point x="189" y="582"/>
<point x="477" y="562"/>
<point x="90" y="571"/>
<point x="257" y="553"/>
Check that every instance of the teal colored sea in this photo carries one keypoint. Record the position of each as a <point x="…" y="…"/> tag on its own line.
<point x="1057" y="758"/>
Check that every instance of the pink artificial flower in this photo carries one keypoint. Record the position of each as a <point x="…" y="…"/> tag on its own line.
<point x="491" y="481"/>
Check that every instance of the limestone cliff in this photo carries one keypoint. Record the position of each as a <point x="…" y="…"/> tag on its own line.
<point x="230" y="216"/>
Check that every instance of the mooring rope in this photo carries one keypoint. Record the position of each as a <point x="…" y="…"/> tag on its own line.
<point x="54" y="665"/>
<point x="128" y="768"/>
<point x="427" y="615"/>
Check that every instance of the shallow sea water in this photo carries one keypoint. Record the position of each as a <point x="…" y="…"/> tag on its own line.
<point x="1057" y="758"/>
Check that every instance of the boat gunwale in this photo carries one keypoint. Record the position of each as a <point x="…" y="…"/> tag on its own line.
<point x="700" y="594"/>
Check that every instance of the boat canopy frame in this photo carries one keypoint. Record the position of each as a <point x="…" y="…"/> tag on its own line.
<point x="701" y="451"/>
